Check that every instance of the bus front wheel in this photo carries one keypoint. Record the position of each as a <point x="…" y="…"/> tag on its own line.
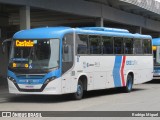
<point x="79" y="93"/>
<point x="129" y="84"/>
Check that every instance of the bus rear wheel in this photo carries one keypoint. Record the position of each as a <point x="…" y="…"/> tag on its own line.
<point x="79" y="93"/>
<point x="129" y="84"/>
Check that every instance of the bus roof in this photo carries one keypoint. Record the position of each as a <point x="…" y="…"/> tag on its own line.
<point x="156" y="41"/>
<point x="106" y="29"/>
<point x="58" y="32"/>
<point x="42" y="33"/>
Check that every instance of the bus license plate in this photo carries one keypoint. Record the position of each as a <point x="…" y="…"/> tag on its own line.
<point x="29" y="86"/>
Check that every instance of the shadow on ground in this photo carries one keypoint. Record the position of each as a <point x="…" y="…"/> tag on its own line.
<point x="68" y="97"/>
<point x="154" y="81"/>
<point x="3" y="83"/>
<point x="64" y="98"/>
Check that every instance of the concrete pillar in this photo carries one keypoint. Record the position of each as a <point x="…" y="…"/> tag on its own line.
<point x="25" y="22"/>
<point x="4" y="20"/>
<point x="138" y="30"/>
<point x="0" y="33"/>
<point x="99" y="22"/>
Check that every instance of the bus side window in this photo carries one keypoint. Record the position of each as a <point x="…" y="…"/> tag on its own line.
<point x="118" y="45"/>
<point x="137" y="46"/>
<point x="147" y="47"/>
<point x="82" y="44"/>
<point x="128" y="49"/>
<point x="107" y="45"/>
<point x="67" y="56"/>
<point x="95" y="44"/>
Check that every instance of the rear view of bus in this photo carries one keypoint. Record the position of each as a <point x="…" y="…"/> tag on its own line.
<point x="156" y="55"/>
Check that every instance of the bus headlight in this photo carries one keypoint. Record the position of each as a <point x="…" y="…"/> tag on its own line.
<point x="49" y="79"/>
<point x="11" y="79"/>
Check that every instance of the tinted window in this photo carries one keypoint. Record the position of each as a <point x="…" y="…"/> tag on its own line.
<point x="128" y="45"/>
<point x="82" y="44"/>
<point x="147" y="48"/>
<point x="118" y="45"/>
<point x="67" y="56"/>
<point x="95" y="44"/>
<point x="44" y="54"/>
<point x="107" y="45"/>
<point x="138" y="46"/>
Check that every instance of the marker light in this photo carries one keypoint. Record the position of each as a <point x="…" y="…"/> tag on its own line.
<point x="14" y="65"/>
<point x="26" y="65"/>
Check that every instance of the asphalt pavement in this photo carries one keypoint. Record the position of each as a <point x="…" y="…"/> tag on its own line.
<point x="144" y="97"/>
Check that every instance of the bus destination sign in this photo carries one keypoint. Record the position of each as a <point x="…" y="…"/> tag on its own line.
<point x="24" y="43"/>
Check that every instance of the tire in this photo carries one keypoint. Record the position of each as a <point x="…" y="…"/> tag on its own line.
<point x="129" y="84"/>
<point x="79" y="93"/>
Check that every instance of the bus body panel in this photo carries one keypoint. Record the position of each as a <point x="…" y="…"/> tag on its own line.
<point x="156" y="54"/>
<point x="100" y="75"/>
<point x="102" y="71"/>
<point x="54" y="87"/>
<point x="24" y="84"/>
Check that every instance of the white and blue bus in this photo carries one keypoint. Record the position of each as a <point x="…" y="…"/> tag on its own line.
<point x="156" y="55"/>
<point x="61" y="60"/>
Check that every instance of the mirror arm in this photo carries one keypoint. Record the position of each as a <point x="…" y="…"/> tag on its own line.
<point x="3" y="44"/>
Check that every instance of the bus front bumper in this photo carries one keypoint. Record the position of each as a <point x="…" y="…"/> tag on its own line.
<point x="52" y="88"/>
<point x="156" y="77"/>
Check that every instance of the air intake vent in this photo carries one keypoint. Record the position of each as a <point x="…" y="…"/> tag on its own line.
<point x="21" y="76"/>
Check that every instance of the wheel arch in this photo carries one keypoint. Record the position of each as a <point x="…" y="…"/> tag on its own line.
<point x="84" y="80"/>
<point x="130" y="73"/>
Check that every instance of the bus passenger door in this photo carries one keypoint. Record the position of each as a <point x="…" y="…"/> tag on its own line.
<point x="67" y="63"/>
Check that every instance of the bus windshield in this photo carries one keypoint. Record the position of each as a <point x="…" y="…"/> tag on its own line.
<point x="35" y="54"/>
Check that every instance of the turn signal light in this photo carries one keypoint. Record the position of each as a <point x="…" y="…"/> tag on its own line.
<point x="26" y="65"/>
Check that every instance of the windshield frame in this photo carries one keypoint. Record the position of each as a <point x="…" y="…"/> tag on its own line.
<point x="36" y="70"/>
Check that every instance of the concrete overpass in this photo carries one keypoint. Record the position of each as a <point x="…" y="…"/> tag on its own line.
<point x="141" y="16"/>
<point x="140" y="13"/>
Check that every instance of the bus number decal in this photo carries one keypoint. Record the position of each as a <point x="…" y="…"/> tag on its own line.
<point x="131" y="62"/>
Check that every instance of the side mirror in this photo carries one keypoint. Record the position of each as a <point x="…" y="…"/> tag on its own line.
<point x="66" y="48"/>
<point x="4" y="44"/>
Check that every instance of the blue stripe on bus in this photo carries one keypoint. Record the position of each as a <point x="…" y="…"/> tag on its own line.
<point x="116" y="71"/>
